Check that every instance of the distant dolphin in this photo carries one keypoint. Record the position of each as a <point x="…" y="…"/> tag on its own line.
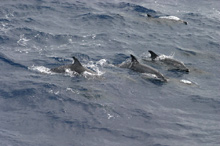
<point x="175" y="64"/>
<point x="76" y="67"/>
<point x="170" y="18"/>
<point x="141" y="68"/>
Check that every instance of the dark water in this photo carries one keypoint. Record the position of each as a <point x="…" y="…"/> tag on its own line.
<point x="118" y="107"/>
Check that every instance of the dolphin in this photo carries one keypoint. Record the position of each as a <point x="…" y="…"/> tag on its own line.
<point x="174" y="64"/>
<point x="76" y="67"/>
<point x="169" y="18"/>
<point x="141" y="68"/>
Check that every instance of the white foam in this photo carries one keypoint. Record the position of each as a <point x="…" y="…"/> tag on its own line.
<point x="45" y="70"/>
<point x="186" y="82"/>
<point x="41" y="69"/>
<point x="102" y="62"/>
<point x="72" y="90"/>
<point x="22" y="41"/>
<point x="96" y="67"/>
<point x="162" y="57"/>
<point x="70" y="73"/>
<point x="4" y="27"/>
<point x="170" y="18"/>
<point x="110" y="116"/>
<point x="87" y="74"/>
<point x="54" y="92"/>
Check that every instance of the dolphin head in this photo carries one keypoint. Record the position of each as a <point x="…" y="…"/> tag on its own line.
<point x="179" y="66"/>
<point x="186" y="70"/>
<point x="185" y="22"/>
<point x="148" y="15"/>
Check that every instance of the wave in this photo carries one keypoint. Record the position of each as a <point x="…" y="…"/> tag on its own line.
<point x="129" y="7"/>
<point x="101" y="18"/>
<point x="188" y="52"/>
<point x="41" y="38"/>
<point x="4" y="20"/>
<point x="4" y="39"/>
<point x="29" y="7"/>
<point x="77" y="6"/>
<point x="212" y="102"/>
<point x="7" y="60"/>
<point x="95" y="16"/>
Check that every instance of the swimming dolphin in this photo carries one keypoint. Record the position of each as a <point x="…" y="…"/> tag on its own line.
<point x="174" y="64"/>
<point x="76" y="67"/>
<point x="141" y="68"/>
<point x="170" y="18"/>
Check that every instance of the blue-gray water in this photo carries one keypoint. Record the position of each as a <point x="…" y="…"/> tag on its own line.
<point x="118" y="107"/>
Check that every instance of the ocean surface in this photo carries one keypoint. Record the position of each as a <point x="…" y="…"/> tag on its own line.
<point x="117" y="106"/>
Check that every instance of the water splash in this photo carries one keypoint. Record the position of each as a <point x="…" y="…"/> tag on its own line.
<point x="23" y="41"/>
<point x="96" y="67"/>
<point x="4" y="27"/>
<point x="93" y="65"/>
<point x="40" y="69"/>
<point x="162" y="57"/>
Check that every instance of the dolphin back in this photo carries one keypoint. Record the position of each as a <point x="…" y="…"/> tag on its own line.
<point x="76" y="67"/>
<point x="141" y="68"/>
<point x="60" y="69"/>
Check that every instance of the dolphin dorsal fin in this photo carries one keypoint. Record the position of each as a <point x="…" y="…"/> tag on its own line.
<point x="76" y="62"/>
<point x="134" y="59"/>
<point x="152" y="55"/>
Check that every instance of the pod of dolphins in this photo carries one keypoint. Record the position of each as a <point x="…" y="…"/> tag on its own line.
<point x="133" y="64"/>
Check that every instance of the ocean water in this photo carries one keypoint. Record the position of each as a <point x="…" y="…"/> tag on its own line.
<point x="116" y="107"/>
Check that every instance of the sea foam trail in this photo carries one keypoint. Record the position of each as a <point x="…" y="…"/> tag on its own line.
<point x="41" y="69"/>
